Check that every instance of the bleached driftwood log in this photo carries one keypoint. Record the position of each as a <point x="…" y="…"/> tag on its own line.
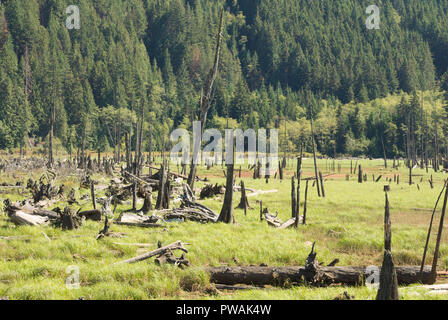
<point x="138" y="220"/>
<point x="21" y="218"/>
<point x="192" y="211"/>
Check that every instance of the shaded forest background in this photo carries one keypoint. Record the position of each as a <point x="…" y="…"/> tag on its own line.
<point x="283" y="61"/>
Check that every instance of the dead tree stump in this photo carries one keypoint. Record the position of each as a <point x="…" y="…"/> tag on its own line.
<point x="244" y="202"/>
<point x="388" y="289"/>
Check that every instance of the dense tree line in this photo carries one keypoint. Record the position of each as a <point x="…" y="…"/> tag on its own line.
<point x="135" y="69"/>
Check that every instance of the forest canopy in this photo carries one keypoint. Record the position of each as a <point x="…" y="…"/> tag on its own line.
<point x="282" y="62"/>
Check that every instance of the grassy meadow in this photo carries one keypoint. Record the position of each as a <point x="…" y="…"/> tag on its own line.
<point x="347" y="224"/>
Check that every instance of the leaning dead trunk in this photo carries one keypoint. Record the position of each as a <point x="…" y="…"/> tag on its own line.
<point x="206" y="97"/>
<point x="314" y="156"/>
<point x="439" y="238"/>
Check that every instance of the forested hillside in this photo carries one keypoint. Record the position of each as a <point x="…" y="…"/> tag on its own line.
<point x="282" y="61"/>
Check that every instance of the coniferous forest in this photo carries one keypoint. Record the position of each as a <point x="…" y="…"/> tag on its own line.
<point x="283" y="61"/>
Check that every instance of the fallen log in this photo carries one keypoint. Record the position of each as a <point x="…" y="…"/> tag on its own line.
<point x="235" y="288"/>
<point x="140" y="225"/>
<point x="22" y="219"/>
<point x="94" y="215"/>
<point x="138" y="220"/>
<point x="260" y="276"/>
<point x="272" y="220"/>
<point x="259" y="192"/>
<point x="52" y="215"/>
<point x="289" y="223"/>
<point x="275" y="222"/>
<point x="178" y="245"/>
<point x="174" y="174"/>
<point x="210" y="191"/>
<point x="169" y="257"/>
<point x="192" y="211"/>
<point x="148" y="182"/>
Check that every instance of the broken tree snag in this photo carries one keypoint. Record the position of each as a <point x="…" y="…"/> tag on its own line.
<point x="41" y="190"/>
<point x="299" y="160"/>
<point x="226" y="214"/>
<point x="430" y="227"/>
<point x="70" y="220"/>
<point x="312" y="268"/>
<point x="94" y="215"/>
<point x="280" y="171"/>
<point x="167" y="193"/>
<point x="322" y="184"/>
<point x="210" y="191"/>
<point x="293" y="197"/>
<point x="439" y="237"/>
<point x="388" y="289"/>
<point x="305" y="205"/>
<point x="244" y="203"/>
<point x="296" y="218"/>
<point x="360" y="177"/>
<point x="387" y="226"/>
<point x="92" y="194"/>
<point x="105" y="231"/>
<point x="314" y="154"/>
<point x="205" y="101"/>
<point x="351" y="276"/>
<point x="147" y="204"/>
<point x="134" y="196"/>
<point x="161" y="193"/>
<point x="178" y="245"/>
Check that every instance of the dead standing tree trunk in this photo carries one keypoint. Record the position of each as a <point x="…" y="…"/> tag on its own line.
<point x="226" y="214"/>
<point x="388" y="289"/>
<point x="360" y="178"/>
<point x="92" y="194"/>
<point x="293" y="198"/>
<point x="384" y="152"/>
<point x="305" y="205"/>
<point x="161" y="193"/>
<point x="52" y="120"/>
<point x="297" y="216"/>
<point x="321" y="178"/>
<point x="205" y="101"/>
